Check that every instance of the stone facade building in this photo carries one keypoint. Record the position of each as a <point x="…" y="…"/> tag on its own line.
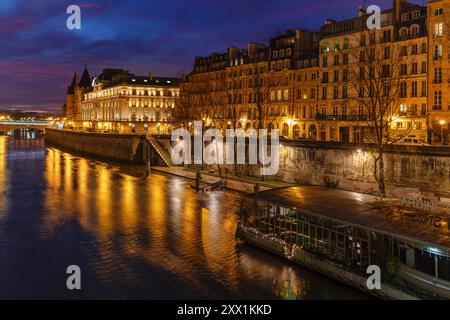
<point x="119" y="101"/>
<point x="307" y="84"/>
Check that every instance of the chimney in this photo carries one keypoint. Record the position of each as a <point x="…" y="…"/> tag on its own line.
<point x="150" y="75"/>
<point x="397" y="7"/>
<point x="361" y="11"/>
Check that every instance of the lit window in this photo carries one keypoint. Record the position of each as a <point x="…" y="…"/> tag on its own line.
<point x="438" y="28"/>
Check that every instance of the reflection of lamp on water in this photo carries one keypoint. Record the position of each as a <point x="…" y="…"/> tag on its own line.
<point x="442" y="123"/>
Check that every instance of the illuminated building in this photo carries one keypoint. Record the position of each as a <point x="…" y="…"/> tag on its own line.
<point x="119" y="101"/>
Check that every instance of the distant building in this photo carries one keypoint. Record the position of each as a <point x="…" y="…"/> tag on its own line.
<point x="119" y="101"/>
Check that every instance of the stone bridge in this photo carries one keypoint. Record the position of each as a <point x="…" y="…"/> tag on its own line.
<point x="6" y="126"/>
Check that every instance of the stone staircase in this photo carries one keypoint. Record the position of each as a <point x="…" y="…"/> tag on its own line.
<point x="162" y="153"/>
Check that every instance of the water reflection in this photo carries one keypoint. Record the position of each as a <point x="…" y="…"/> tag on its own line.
<point x="138" y="236"/>
<point x="3" y="176"/>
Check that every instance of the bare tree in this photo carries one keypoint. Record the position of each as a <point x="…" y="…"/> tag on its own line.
<point x="183" y="113"/>
<point x="262" y="83"/>
<point x="376" y="76"/>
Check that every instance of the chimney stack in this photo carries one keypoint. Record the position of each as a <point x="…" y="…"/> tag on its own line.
<point x="361" y="11"/>
<point x="398" y="8"/>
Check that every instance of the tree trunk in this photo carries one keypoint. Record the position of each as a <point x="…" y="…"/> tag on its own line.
<point x="381" y="182"/>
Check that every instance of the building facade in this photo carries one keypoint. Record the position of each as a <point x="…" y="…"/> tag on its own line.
<point x="119" y="101"/>
<point x="314" y="85"/>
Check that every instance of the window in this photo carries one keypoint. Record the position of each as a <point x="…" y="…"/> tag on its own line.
<point x="362" y="40"/>
<point x="362" y="56"/>
<point x="346" y="46"/>
<point x="414" y="49"/>
<point x="386" y="70"/>
<point x="362" y="73"/>
<point x="437" y="100"/>
<point x="424" y="67"/>
<point x="403" y="32"/>
<point x="438" y="52"/>
<point x="387" y="52"/>
<point x="414" y="68"/>
<point x="437" y="75"/>
<point x="438" y="12"/>
<point x="336" y="60"/>
<point x="386" y="89"/>
<point x="403" y="89"/>
<point x="414" y="89"/>
<point x="324" y="93"/>
<point x="424" y="89"/>
<point x="345" y="58"/>
<point x="403" y="51"/>
<point x="424" y="47"/>
<point x="403" y="69"/>
<point x="286" y="95"/>
<point x="386" y="35"/>
<point x="336" y="92"/>
<point x="403" y="109"/>
<point x="361" y="92"/>
<point x="438" y="29"/>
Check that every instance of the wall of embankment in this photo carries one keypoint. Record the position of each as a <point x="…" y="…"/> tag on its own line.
<point x="118" y="147"/>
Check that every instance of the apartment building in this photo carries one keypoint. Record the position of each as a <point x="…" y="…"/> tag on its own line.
<point x="120" y="101"/>
<point x="314" y="85"/>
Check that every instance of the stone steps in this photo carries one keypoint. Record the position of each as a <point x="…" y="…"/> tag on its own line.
<point x="163" y="154"/>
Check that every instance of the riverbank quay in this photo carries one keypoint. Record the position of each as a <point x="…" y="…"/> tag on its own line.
<point x="240" y="184"/>
<point x="341" y="233"/>
<point x="110" y="146"/>
<point x="123" y="147"/>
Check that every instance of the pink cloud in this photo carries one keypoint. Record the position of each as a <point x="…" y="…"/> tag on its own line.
<point x="30" y="71"/>
<point x="15" y="24"/>
<point x="90" y="5"/>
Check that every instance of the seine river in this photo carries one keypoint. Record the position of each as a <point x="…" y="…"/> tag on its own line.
<point x="133" y="236"/>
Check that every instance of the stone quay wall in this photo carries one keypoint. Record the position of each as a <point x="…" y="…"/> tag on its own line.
<point x="425" y="170"/>
<point x="118" y="147"/>
<point x="408" y="169"/>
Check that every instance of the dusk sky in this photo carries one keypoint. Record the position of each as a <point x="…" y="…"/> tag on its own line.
<point x="38" y="54"/>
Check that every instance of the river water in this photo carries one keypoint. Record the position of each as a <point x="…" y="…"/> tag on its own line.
<point x="133" y="236"/>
